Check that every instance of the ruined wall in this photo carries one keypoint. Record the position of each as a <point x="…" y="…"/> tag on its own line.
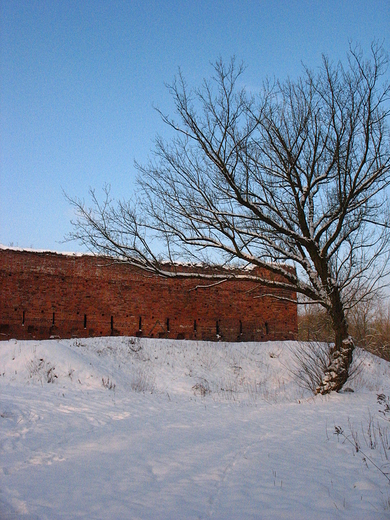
<point x="45" y="294"/>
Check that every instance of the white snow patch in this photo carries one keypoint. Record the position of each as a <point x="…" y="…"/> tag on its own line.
<point x="32" y="250"/>
<point x="121" y="428"/>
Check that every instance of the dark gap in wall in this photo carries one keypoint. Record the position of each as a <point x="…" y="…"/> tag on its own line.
<point x="140" y="323"/>
<point x="85" y="321"/>
<point x="112" y="323"/>
<point x="266" y="328"/>
<point x="194" y="325"/>
<point x="54" y="318"/>
<point x="24" y="318"/>
<point x="240" y="327"/>
<point x="168" y="328"/>
<point x="217" y="327"/>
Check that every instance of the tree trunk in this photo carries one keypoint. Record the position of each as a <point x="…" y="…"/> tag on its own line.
<point x="340" y="360"/>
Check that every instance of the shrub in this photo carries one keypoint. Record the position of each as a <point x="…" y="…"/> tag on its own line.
<point x="42" y="370"/>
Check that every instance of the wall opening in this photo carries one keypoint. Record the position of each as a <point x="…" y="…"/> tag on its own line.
<point x="54" y="318"/>
<point x="194" y="325"/>
<point x="168" y="327"/>
<point x="240" y="327"/>
<point x="140" y="324"/>
<point x="24" y="318"/>
<point x="112" y="323"/>
<point x="266" y="328"/>
<point x="85" y="321"/>
<point x="217" y="328"/>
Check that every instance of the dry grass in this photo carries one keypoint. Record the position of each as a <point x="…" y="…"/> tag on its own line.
<point x="369" y="325"/>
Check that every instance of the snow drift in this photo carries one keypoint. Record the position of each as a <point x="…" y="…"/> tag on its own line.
<point x="138" y="429"/>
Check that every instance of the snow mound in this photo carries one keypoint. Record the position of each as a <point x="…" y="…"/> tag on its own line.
<point x="141" y="428"/>
<point x="225" y="371"/>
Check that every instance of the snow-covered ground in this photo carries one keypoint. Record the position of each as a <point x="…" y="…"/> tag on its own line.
<point x="116" y="428"/>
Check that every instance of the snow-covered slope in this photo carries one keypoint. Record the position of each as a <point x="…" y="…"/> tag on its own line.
<point x="121" y="428"/>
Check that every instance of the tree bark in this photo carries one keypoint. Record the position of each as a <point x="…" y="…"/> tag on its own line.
<point x="340" y="360"/>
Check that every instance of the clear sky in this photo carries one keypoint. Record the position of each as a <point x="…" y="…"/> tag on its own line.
<point x="80" y="78"/>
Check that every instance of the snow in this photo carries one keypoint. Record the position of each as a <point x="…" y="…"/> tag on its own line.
<point x="159" y="429"/>
<point x="31" y="250"/>
<point x="226" y="267"/>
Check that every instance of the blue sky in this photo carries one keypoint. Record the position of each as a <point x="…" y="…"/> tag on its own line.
<point x="80" y="80"/>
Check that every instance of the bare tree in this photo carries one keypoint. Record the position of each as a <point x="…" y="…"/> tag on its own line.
<point x="296" y="175"/>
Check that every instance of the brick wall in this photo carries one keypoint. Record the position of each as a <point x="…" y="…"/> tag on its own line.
<point x="45" y="294"/>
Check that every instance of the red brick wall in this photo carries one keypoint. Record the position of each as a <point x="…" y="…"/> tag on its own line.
<point x="44" y="294"/>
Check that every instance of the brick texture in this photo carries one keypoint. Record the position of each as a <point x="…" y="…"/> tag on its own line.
<point x="45" y="294"/>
